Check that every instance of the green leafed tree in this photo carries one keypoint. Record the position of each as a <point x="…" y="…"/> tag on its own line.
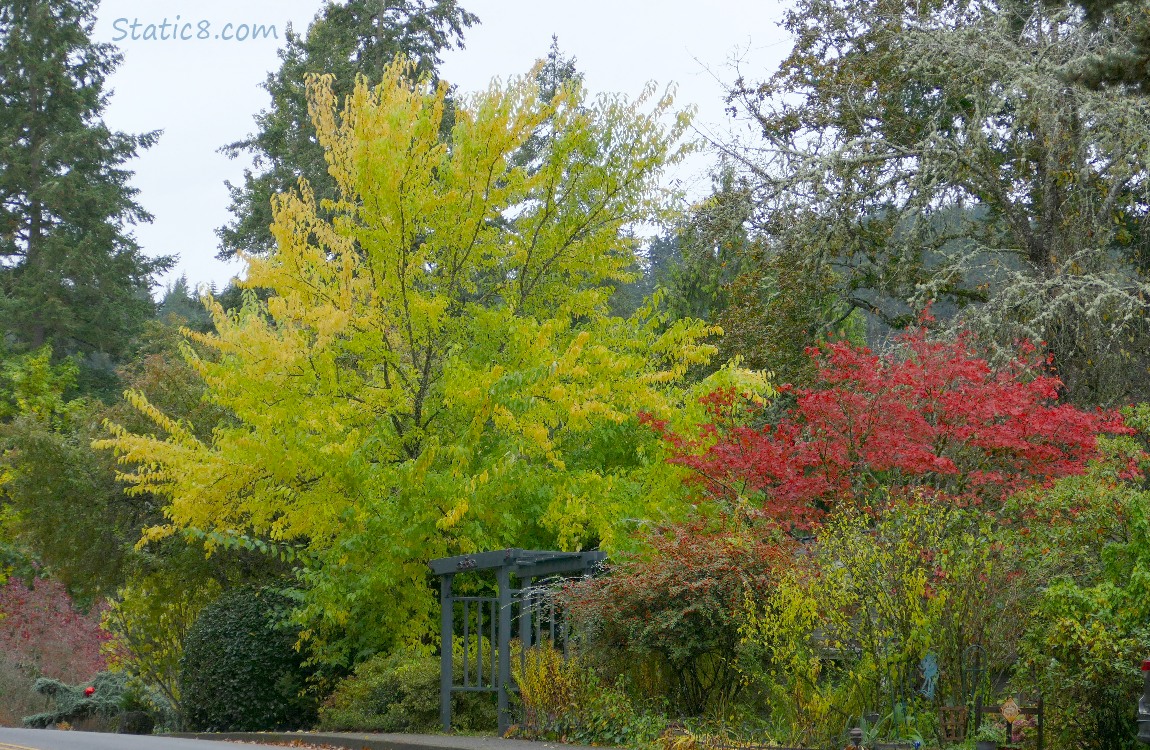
<point x="936" y="152"/>
<point x="435" y="370"/>
<point x="719" y="266"/>
<point x="346" y="39"/>
<point x="71" y="275"/>
<point x="62" y="498"/>
<point x="62" y="505"/>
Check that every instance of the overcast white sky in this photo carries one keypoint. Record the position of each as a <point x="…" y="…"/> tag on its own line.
<point x="203" y="93"/>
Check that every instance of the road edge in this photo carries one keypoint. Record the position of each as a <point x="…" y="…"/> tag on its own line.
<point x="365" y="741"/>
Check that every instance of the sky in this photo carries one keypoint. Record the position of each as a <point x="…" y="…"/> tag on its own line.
<point x="203" y="92"/>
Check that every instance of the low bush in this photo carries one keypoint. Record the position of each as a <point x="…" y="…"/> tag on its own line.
<point x="679" y="606"/>
<point x="93" y="705"/>
<point x="400" y="693"/>
<point x="241" y="670"/>
<point x="146" y="709"/>
<point x="111" y="702"/>
<point x="562" y="698"/>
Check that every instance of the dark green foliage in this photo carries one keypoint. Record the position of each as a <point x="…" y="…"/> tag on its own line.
<point x="654" y="264"/>
<point x="358" y="37"/>
<point x="697" y="262"/>
<point x="67" y="507"/>
<point x="713" y="245"/>
<point x="241" y="671"/>
<point x="400" y="693"/>
<point x="15" y="560"/>
<point x="776" y="309"/>
<point x="144" y="710"/>
<point x="556" y="71"/>
<point x="72" y="511"/>
<point x="136" y="722"/>
<point x="182" y="303"/>
<point x="63" y="503"/>
<point x="71" y="275"/>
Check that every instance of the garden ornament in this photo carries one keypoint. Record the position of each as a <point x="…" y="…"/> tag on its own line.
<point x="929" y="668"/>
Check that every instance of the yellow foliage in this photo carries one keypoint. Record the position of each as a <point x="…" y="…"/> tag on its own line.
<point x="550" y="684"/>
<point x="435" y="370"/>
<point x="877" y="595"/>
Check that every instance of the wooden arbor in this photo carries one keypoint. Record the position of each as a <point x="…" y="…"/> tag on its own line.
<point x="527" y="607"/>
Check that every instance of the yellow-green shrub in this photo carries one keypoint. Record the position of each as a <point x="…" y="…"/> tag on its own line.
<point x="562" y="698"/>
<point x="400" y="693"/>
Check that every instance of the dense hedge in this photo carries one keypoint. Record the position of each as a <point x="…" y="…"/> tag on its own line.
<point x="241" y="671"/>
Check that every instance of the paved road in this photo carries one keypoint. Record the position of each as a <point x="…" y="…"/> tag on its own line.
<point x="51" y="739"/>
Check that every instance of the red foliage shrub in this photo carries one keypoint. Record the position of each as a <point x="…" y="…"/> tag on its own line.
<point x="681" y="600"/>
<point x="931" y="416"/>
<point x="43" y="634"/>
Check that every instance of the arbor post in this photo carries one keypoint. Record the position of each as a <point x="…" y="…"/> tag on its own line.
<point x="445" y="651"/>
<point x="526" y="610"/>
<point x="504" y="648"/>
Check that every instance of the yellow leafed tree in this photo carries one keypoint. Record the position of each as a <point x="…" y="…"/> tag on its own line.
<point x="435" y="371"/>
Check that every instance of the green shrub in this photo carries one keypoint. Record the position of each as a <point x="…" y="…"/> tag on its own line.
<point x="98" y="702"/>
<point x="110" y="702"/>
<point x="241" y="670"/>
<point x="400" y="693"/>
<point x="1082" y="652"/>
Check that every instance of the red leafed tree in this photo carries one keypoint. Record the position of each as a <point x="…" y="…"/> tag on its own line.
<point x="930" y="417"/>
<point x="43" y="634"/>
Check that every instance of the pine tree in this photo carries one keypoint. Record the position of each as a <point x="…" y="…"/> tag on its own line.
<point x="182" y="305"/>
<point x="71" y="274"/>
<point x="359" y="37"/>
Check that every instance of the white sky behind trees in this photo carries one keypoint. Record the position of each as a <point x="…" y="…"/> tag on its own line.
<point x="204" y="93"/>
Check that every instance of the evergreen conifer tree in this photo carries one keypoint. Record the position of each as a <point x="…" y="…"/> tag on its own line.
<point x="71" y="274"/>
